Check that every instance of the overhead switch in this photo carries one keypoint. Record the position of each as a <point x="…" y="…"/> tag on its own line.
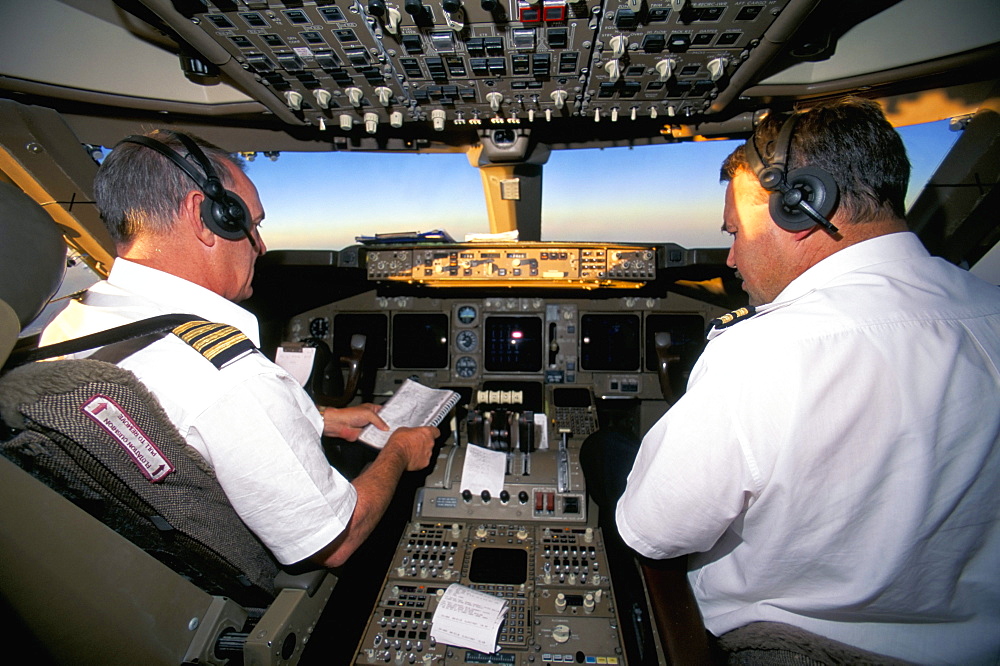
<point x="354" y="96"/>
<point x="716" y="68"/>
<point x="294" y="99"/>
<point x="393" y="20"/>
<point x="322" y="97"/>
<point x="614" y="69"/>
<point x="494" y="98"/>
<point x="618" y="45"/>
<point x="384" y="95"/>
<point x="665" y="68"/>
<point x="438" y="117"/>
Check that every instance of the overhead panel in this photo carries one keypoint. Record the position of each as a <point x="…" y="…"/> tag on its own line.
<point x="369" y="67"/>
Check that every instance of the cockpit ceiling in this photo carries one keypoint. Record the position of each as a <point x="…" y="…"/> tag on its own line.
<point x="438" y="74"/>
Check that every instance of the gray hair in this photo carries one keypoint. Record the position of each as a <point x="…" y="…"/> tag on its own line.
<point x="139" y="190"/>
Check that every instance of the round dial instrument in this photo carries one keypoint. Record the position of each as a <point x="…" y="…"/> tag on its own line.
<point x="319" y="327"/>
<point x="466" y="367"/>
<point x="466" y="340"/>
<point x="467" y="314"/>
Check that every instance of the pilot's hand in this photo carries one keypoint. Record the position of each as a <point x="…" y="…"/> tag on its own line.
<point x="347" y="422"/>
<point x="414" y="444"/>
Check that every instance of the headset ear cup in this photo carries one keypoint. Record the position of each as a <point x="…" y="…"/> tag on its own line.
<point x="227" y="217"/>
<point x="816" y="187"/>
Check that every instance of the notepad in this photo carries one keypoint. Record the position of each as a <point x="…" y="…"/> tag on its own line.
<point x="412" y="405"/>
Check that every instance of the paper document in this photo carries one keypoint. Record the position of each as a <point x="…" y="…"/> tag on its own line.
<point x="483" y="469"/>
<point x="412" y="405"/>
<point x="468" y="618"/>
<point x="298" y="362"/>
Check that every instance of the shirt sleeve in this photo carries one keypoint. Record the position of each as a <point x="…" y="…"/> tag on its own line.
<point x="692" y="476"/>
<point x="267" y="455"/>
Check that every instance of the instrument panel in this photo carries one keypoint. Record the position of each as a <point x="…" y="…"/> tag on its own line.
<point x="555" y="579"/>
<point x="524" y="264"/>
<point x="352" y="67"/>
<point x="605" y="344"/>
<point x="539" y="363"/>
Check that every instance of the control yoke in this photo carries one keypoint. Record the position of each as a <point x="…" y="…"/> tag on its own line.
<point x="353" y="361"/>
<point x="664" y="358"/>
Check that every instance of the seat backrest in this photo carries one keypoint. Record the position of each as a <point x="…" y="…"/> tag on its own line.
<point x="91" y="431"/>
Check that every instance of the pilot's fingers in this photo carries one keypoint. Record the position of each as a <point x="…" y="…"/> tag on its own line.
<point x="373" y="416"/>
<point x="371" y="406"/>
<point x="346" y="423"/>
<point x="416" y="444"/>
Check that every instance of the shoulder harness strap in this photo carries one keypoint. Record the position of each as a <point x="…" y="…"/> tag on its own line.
<point x="219" y="343"/>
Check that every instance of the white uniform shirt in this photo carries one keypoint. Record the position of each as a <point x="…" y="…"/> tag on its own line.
<point x="251" y="420"/>
<point x="835" y="462"/>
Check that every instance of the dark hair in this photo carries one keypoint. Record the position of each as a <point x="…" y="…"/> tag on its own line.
<point x="853" y="141"/>
<point x="138" y="189"/>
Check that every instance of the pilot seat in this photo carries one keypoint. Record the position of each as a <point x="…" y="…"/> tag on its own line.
<point x="138" y="558"/>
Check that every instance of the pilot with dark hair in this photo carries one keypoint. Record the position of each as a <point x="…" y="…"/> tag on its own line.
<point x="835" y="462"/>
<point x="185" y="231"/>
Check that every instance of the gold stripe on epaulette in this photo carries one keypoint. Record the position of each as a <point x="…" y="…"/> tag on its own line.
<point x="223" y="346"/>
<point x="211" y="337"/>
<point x="184" y="330"/>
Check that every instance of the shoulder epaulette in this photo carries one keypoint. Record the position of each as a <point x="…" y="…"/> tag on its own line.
<point x="219" y="343"/>
<point x="734" y="317"/>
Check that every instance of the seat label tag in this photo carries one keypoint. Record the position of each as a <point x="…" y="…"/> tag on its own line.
<point x="106" y="413"/>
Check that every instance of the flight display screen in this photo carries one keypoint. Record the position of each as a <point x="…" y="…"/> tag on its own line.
<point x="420" y="341"/>
<point x="499" y="566"/>
<point x="513" y="344"/>
<point x="610" y="341"/>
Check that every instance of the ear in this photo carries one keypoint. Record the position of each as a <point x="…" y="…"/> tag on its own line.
<point x="190" y="218"/>
<point x="805" y="233"/>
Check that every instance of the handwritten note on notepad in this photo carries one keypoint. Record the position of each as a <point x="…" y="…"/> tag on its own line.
<point x="468" y="618"/>
<point x="483" y="469"/>
<point x="413" y="404"/>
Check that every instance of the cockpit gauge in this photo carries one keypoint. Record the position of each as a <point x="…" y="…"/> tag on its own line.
<point x="466" y="367"/>
<point x="319" y="327"/>
<point x="467" y="314"/>
<point x="466" y="340"/>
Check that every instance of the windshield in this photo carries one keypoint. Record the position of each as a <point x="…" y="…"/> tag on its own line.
<point x="645" y="194"/>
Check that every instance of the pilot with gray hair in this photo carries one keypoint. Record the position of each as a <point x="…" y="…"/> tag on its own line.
<point x="184" y="218"/>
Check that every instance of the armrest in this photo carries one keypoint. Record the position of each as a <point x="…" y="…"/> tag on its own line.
<point x="310" y="581"/>
<point x="281" y="635"/>
<point x="675" y="611"/>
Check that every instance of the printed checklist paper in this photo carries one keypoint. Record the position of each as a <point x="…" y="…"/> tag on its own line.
<point x="468" y="618"/>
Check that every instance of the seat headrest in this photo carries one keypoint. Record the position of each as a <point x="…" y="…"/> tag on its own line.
<point x="32" y="254"/>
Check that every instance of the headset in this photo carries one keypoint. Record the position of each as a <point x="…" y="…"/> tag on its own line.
<point x="223" y="211"/>
<point x="801" y="197"/>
